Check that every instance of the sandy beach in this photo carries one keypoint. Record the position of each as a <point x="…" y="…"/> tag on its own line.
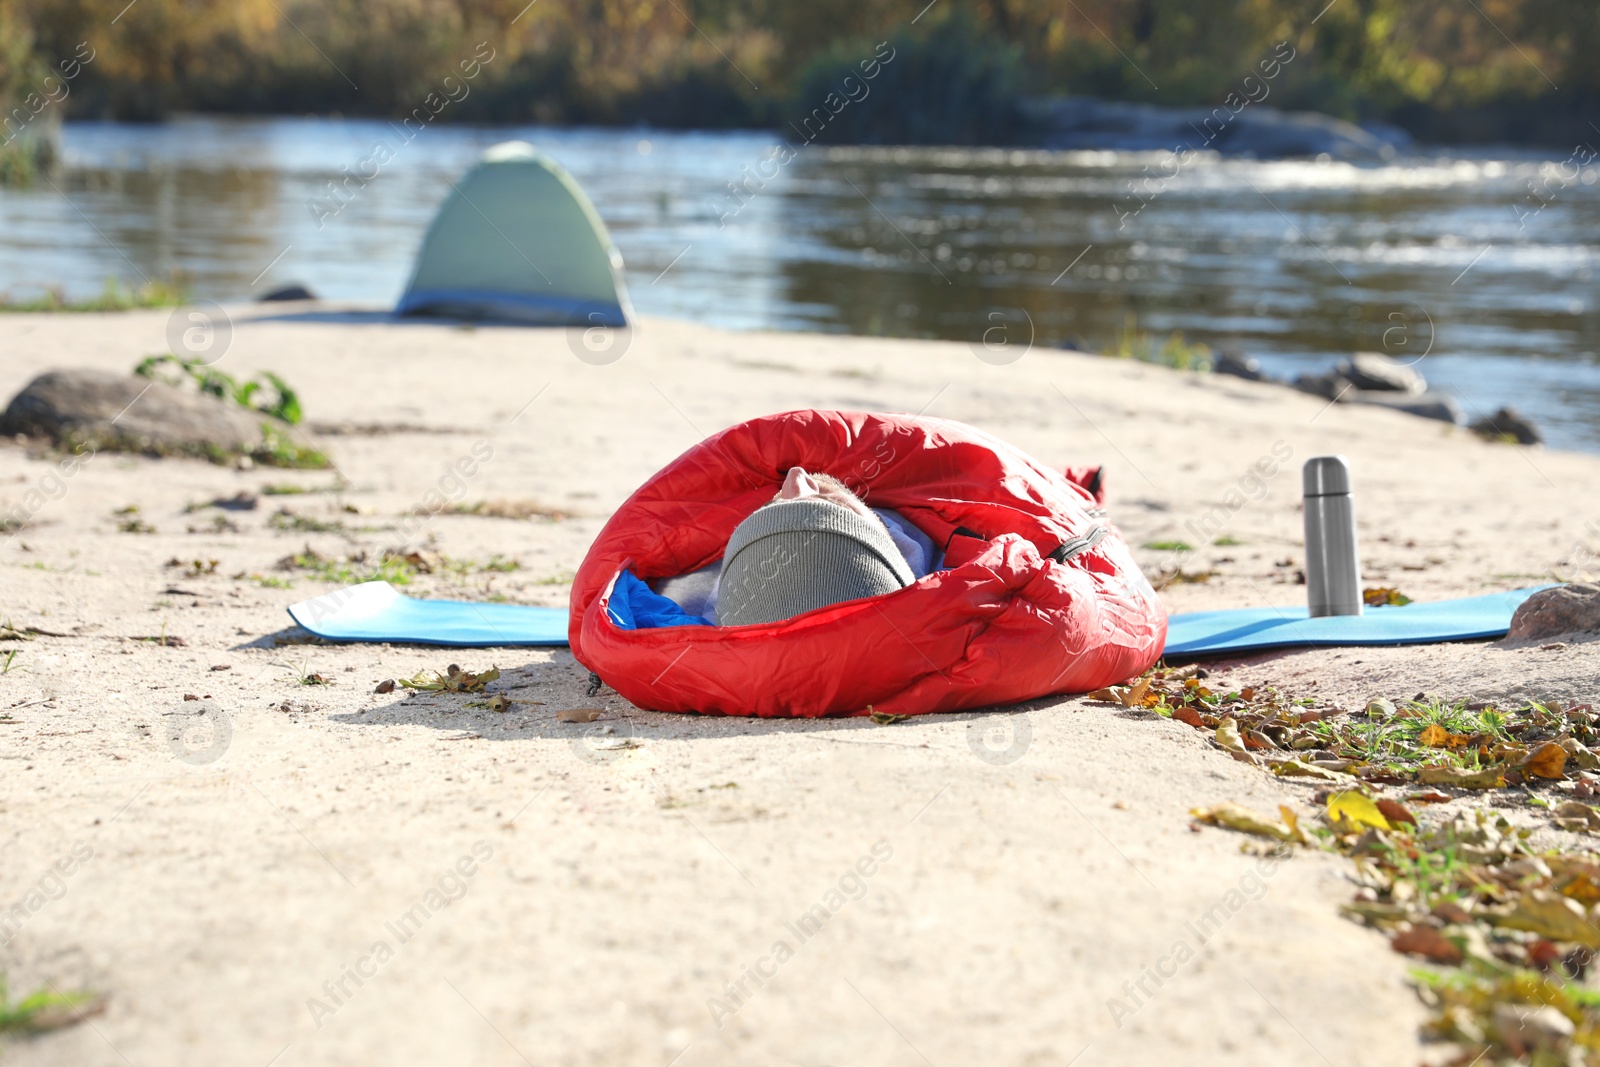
<point x="319" y="874"/>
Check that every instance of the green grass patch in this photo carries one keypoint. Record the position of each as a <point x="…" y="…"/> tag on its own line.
<point x="265" y="393"/>
<point x="1169" y="546"/>
<point x="1227" y="542"/>
<point x="278" y="448"/>
<point x="293" y="489"/>
<point x="1134" y="343"/>
<point x="287" y="521"/>
<point x="465" y="568"/>
<point x="156" y="294"/>
<point x="45" y="1009"/>
<point x="350" y="571"/>
<point x="130" y="522"/>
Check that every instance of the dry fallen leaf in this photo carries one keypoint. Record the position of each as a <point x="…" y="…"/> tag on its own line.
<point x="1436" y="736"/>
<point x="454" y="680"/>
<point x="1551" y="915"/>
<point x="1254" y="738"/>
<point x="1110" y="694"/>
<point x="1232" y="816"/>
<point x="1462" y="778"/>
<point x="385" y="686"/>
<point x="424" y="560"/>
<point x="884" y="718"/>
<point x="1577" y="816"/>
<point x="1355" y="808"/>
<point x="1546" y="761"/>
<point x="1395" y="812"/>
<point x="1584" y="757"/>
<point x="1428" y="943"/>
<point x="498" y="703"/>
<point x="578" y="714"/>
<point x="1581" y="887"/>
<point x="1133" y="696"/>
<point x="1292" y="821"/>
<point x="1228" y="735"/>
<point x="1293" y="768"/>
<point x="1188" y="715"/>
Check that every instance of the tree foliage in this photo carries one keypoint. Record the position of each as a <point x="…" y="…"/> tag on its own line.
<point x="721" y="62"/>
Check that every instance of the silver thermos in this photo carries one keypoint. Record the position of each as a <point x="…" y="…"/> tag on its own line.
<point x="1333" y="567"/>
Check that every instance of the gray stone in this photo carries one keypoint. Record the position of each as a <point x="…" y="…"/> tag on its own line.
<point x="1563" y="609"/>
<point x="1267" y="133"/>
<point x="124" y="412"/>
<point x="1263" y="132"/>
<point x="1436" y="405"/>
<point x="1335" y="386"/>
<point x="1369" y="370"/>
<point x="293" y="291"/>
<point x="1234" y="362"/>
<point x="1508" y="422"/>
<point x="1394" y="136"/>
<point x="1330" y="386"/>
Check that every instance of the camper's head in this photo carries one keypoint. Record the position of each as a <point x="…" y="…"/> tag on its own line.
<point x="815" y="543"/>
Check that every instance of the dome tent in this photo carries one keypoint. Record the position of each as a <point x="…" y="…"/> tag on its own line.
<point x="518" y="240"/>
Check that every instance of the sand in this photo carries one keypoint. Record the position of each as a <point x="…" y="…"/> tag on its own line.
<point x="325" y="875"/>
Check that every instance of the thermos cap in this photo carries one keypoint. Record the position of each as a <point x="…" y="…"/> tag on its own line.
<point x="1326" y="476"/>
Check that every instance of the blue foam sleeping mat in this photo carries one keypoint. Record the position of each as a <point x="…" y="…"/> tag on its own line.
<point x="1210" y="633"/>
<point x="376" y="611"/>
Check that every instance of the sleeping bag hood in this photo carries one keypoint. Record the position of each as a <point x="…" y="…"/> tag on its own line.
<point x="1038" y="593"/>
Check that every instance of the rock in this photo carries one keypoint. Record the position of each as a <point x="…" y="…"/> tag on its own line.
<point x="1369" y="370"/>
<point x="1391" y="136"/>
<point x="1562" y="609"/>
<point x="1267" y="133"/>
<point x="240" y="501"/>
<point x="122" y="412"/>
<point x="1263" y="132"/>
<point x="286" y="293"/>
<point x="1335" y="386"/>
<point x="1441" y="406"/>
<point x="1330" y="386"/>
<point x="1508" y="422"/>
<point x="1233" y="361"/>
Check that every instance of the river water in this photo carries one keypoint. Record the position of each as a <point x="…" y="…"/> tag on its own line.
<point x="1481" y="266"/>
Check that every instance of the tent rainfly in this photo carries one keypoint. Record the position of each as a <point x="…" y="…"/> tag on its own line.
<point x="517" y="240"/>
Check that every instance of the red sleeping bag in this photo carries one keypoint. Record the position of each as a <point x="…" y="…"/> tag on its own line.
<point x="1040" y="594"/>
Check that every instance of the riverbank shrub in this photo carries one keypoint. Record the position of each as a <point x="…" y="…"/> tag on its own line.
<point x="721" y="63"/>
<point x="955" y="82"/>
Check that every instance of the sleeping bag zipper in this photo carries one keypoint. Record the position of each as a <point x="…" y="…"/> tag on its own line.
<point x="1071" y="548"/>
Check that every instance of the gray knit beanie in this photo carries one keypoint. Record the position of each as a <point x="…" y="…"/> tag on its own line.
<point x="795" y="555"/>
